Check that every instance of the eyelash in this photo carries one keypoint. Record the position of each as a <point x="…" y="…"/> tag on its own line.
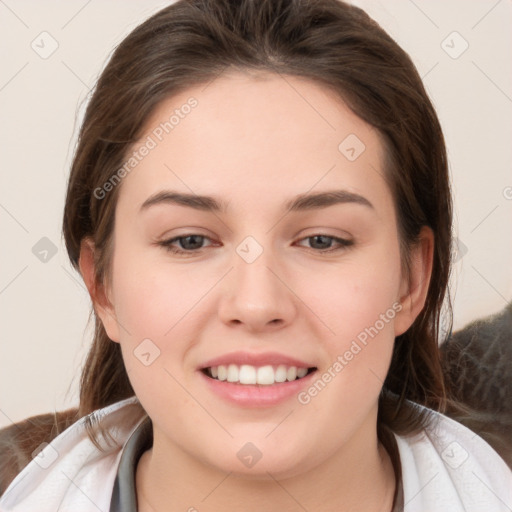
<point x="167" y="244"/>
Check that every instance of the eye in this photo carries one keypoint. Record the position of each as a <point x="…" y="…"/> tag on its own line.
<point x="189" y="243"/>
<point x="193" y="243"/>
<point x="323" y="243"/>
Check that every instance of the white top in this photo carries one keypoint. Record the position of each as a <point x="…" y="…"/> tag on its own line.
<point x="446" y="467"/>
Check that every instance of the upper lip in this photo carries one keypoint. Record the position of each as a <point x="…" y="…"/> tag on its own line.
<point x="255" y="359"/>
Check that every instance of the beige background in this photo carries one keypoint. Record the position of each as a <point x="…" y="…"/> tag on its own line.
<point x="44" y="306"/>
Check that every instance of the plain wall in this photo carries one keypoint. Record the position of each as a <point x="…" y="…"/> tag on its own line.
<point x="44" y="305"/>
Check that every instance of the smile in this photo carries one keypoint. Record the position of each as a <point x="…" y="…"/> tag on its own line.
<point x="263" y="375"/>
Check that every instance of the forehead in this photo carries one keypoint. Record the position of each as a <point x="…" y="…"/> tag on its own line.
<point x="256" y="136"/>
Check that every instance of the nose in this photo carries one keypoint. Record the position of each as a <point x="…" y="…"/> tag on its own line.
<point x="256" y="296"/>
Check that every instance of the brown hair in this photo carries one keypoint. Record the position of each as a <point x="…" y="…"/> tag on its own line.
<point x="327" y="41"/>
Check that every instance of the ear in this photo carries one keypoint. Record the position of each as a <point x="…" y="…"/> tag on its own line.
<point x="414" y="287"/>
<point x="102" y="304"/>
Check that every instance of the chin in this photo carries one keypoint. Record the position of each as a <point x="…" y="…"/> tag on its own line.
<point x="262" y="461"/>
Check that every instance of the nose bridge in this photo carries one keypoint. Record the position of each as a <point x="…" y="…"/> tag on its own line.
<point x="256" y="296"/>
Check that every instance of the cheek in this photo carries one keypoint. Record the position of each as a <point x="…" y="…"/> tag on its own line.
<point x="151" y="298"/>
<point x="359" y="351"/>
<point x="352" y="297"/>
<point x="158" y="310"/>
<point x="359" y="304"/>
<point x="165" y="304"/>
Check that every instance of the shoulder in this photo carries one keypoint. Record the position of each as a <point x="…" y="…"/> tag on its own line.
<point x="71" y="469"/>
<point x="448" y="467"/>
<point x="19" y="441"/>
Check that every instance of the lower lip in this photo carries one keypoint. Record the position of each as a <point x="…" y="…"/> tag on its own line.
<point x="248" y="395"/>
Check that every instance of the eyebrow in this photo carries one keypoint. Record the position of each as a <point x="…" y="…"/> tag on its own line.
<point x="299" y="203"/>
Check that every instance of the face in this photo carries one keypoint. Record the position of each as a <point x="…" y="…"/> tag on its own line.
<point x="257" y="282"/>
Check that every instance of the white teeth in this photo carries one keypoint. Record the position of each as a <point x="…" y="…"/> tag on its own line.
<point x="247" y="374"/>
<point x="280" y="375"/>
<point x="291" y="374"/>
<point x="263" y="375"/>
<point x="233" y="373"/>
<point x="222" y="372"/>
<point x="266" y="375"/>
<point x="301" y="372"/>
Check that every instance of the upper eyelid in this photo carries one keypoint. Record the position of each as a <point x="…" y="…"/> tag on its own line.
<point x="177" y="237"/>
<point x="174" y="239"/>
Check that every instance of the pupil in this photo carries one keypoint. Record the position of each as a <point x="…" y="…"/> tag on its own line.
<point x="195" y="245"/>
<point x="326" y="243"/>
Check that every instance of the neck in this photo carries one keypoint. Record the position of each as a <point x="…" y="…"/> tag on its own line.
<point x="358" y="477"/>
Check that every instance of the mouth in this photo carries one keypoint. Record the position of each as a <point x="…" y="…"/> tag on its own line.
<point x="257" y="380"/>
<point x="266" y="375"/>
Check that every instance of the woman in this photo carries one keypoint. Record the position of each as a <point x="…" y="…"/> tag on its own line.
<point x="259" y="206"/>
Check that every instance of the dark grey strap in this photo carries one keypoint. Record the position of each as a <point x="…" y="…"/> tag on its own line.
<point x="124" y="495"/>
<point x="399" y="498"/>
